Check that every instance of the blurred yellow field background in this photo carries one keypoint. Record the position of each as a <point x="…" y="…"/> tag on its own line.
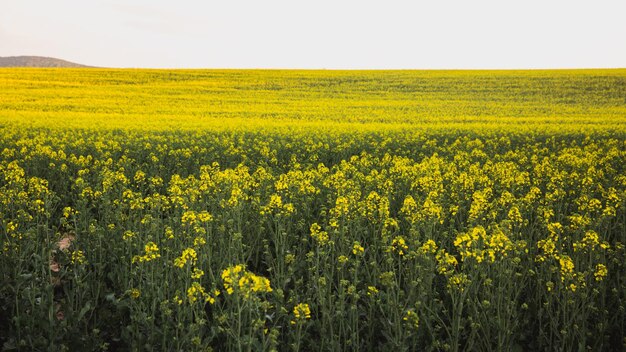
<point x="193" y="99"/>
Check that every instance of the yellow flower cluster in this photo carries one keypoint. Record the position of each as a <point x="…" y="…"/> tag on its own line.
<point x="134" y="293"/>
<point x="567" y="267"/>
<point x="237" y="279"/>
<point x="78" y="257"/>
<point x="302" y="311"/>
<point x="188" y="255"/>
<point x="399" y="246"/>
<point x="446" y="263"/>
<point x="196" y="292"/>
<point x="372" y="291"/>
<point x="548" y="245"/>
<point x="357" y="249"/>
<point x="477" y="244"/>
<point x="342" y="208"/>
<point x="430" y="210"/>
<point x="321" y="237"/>
<point x="590" y="242"/>
<point x="197" y="273"/>
<point x="515" y="216"/>
<point x="458" y="281"/>
<point x="411" y="318"/>
<point x="151" y="252"/>
<point x="68" y="211"/>
<point x="409" y="208"/>
<point x="375" y="208"/>
<point x="276" y="206"/>
<point x="480" y="203"/>
<point x="190" y="217"/>
<point x="601" y="272"/>
<point x="429" y="247"/>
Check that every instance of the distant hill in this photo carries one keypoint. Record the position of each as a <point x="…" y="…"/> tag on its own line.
<point x="35" y="61"/>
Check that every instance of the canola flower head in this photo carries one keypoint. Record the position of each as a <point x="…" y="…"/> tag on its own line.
<point x="515" y="215"/>
<point x="151" y="253"/>
<point x="68" y="211"/>
<point x="357" y="249"/>
<point x="134" y="293"/>
<point x="551" y="245"/>
<point x="590" y="242"/>
<point x="189" y="217"/>
<point x="188" y="255"/>
<point x="277" y="207"/>
<point x="169" y="233"/>
<point x="566" y="265"/>
<point x="399" y="246"/>
<point x="237" y="279"/>
<point x="483" y="246"/>
<point x="78" y="257"/>
<point x="372" y="291"/>
<point x="321" y="237"/>
<point x="199" y="241"/>
<point x="409" y="207"/>
<point x="600" y="272"/>
<point x="431" y="210"/>
<point x="446" y="263"/>
<point x="204" y="216"/>
<point x="429" y="247"/>
<point x="458" y="281"/>
<point x="197" y="273"/>
<point x="128" y="234"/>
<point x="302" y="311"/>
<point x="411" y="318"/>
<point x="197" y="293"/>
<point x="375" y="208"/>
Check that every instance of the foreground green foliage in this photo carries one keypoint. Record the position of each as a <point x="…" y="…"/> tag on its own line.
<point x="296" y="210"/>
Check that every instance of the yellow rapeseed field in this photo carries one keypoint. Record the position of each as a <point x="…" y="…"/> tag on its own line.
<point x="251" y="210"/>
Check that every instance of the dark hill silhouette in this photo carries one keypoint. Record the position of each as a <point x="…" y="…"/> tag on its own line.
<point x="35" y="61"/>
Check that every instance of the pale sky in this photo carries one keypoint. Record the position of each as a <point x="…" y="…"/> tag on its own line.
<point x="349" y="34"/>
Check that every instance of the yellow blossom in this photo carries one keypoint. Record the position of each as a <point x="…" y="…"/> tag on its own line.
<point x="238" y="278"/>
<point x="302" y="311"/>
<point x="151" y="252"/>
<point x="357" y="249"/>
<point x="601" y="272"/>
<point x="78" y="257"/>
<point x="197" y="273"/>
<point x="429" y="247"/>
<point x="398" y="246"/>
<point x="318" y="235"/>
<point x="372" y="290"/>
<point x="411" y="318"/>
<point x="188" y="255"/>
